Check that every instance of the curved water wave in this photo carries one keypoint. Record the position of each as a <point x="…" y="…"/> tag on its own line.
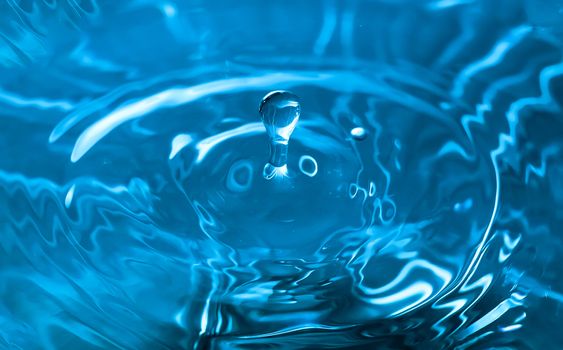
<point x="135" y="213"/>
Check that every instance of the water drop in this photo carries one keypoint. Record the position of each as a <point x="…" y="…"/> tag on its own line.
<point x="280" y="113"/>
<point x="358" y="133"/>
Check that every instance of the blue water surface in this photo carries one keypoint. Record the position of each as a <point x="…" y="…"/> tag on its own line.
<point x="421" y="205"/>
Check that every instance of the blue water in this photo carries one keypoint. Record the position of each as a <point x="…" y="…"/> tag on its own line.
<point x="420" y="205"/>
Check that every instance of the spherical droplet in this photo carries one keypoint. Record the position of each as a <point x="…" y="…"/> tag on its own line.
<point x="280" y="112"/>
<point x="358" y="133"/>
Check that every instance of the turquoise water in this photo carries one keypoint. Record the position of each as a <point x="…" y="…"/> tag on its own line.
<point x="145" y="205"/>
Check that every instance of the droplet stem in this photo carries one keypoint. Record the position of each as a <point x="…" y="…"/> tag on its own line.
<point x="278" y="153"/>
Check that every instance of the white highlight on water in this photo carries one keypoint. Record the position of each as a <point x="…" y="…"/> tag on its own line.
<point x="178" y="143"/>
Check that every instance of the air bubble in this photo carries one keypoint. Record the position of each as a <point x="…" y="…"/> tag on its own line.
<point x="308" y="165"/>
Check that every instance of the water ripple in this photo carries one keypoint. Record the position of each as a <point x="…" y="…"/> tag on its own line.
<point x="417" y="209"/>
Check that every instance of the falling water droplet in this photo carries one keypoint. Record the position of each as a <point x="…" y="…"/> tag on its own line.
<point x="280" y="113"/>
<point x="358" y="133"/>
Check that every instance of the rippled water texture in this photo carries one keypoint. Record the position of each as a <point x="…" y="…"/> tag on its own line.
<point x="421" y="206"/>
